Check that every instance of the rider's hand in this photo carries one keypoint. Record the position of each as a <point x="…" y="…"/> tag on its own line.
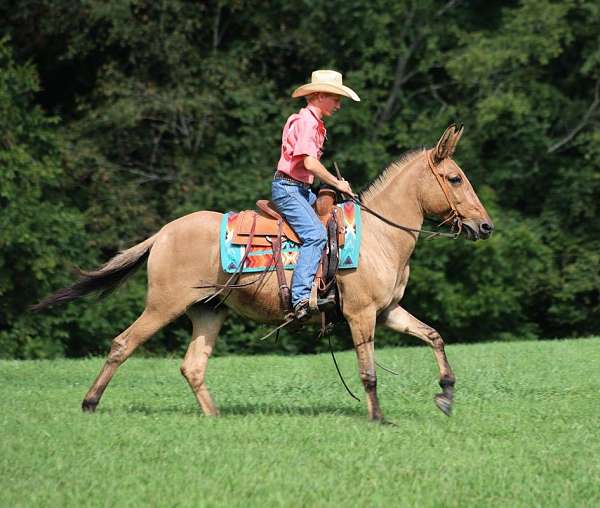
<point x="344" y="187"/>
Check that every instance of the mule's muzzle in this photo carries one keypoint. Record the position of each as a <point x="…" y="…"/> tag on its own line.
<point x="478" y="230"/>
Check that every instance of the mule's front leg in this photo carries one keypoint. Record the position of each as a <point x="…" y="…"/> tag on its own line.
<point x="363" y="335"/>
<point x="400" y="320"/>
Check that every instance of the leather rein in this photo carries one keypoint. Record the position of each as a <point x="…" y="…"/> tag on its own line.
<point x="453" y="217"/>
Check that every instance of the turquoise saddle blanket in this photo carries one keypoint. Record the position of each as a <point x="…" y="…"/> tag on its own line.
<point x="261" y="258"/>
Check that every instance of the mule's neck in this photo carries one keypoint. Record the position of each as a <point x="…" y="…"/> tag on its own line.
<point x="396" y="197"/>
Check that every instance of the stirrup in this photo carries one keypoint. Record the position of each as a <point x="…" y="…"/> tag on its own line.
<point x="327" y="302"/>
<point x="302" y="310"/>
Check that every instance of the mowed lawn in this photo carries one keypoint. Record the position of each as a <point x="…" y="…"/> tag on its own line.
<point x="526" y="432"/>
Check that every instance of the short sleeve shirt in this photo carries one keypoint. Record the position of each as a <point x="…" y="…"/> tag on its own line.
<point x="304" y="134"/>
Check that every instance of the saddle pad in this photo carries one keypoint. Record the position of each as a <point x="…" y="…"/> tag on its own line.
<point x="261" y="258"/>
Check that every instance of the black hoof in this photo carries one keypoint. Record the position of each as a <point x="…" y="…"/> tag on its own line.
<point x="444" y="404"/>
<point x="89" y="406"/>
<point x="378" y="418"/>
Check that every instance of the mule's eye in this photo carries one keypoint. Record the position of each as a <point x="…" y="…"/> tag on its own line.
<point x="455" y="180"/>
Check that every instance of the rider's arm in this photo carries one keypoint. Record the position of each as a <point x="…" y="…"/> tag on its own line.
<point x="317" y="169"/>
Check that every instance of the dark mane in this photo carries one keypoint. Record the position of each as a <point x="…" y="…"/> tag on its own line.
<point x="381" y="180"/>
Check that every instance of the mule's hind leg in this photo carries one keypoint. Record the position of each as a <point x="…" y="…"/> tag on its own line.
<point x="206" y="323"/>
<point x="149" y="322"/>
<point x="400" y="320"/>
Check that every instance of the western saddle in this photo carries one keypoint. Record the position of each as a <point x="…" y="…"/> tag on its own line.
<point x="265" y="227"/>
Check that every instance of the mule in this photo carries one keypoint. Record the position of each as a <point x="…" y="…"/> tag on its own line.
<point x="186" y="251"/>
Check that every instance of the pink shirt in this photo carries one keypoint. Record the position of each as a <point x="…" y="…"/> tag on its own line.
<point x="303" y="134"/>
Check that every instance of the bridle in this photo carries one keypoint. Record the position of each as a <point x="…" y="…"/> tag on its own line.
<point x="453" y="216"/>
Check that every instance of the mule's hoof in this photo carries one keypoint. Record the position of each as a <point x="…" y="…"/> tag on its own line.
<point x="444" y="404"/>
<point x="377" y="418"/>
<point x="89" y="406"/>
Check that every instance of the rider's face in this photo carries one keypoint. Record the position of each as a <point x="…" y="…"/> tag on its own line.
<point x="329" y="103"/>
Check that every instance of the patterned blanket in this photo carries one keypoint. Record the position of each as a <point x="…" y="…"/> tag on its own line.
<point x="261" y="258"/>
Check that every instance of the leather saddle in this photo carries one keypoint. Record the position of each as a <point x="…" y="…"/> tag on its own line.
<point x="266" y="221"/>
<point x="266" y="227"/>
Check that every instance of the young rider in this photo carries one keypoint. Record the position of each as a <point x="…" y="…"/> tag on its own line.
<point x="302" y="142"/>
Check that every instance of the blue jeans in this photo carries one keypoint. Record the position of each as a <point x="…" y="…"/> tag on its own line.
<point x="295" y="202"/>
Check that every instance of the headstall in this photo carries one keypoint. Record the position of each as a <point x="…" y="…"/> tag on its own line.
<point x="453" y="217"/>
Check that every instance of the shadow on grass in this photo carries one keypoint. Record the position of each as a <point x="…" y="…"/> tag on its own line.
<point x="270" y="409"/>
<point x="233" y="410"/>
<point x="243" y="410"/>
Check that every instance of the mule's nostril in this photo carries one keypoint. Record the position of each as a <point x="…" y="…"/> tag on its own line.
<point x="485" y="229"/>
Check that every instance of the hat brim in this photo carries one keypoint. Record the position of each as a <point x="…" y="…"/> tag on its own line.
<point x="327" y="88"/>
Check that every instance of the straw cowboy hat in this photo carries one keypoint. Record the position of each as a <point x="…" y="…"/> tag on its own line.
<point x="326" y="81"/>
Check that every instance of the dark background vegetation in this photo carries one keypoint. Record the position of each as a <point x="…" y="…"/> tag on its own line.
<point x="119" y="116"/>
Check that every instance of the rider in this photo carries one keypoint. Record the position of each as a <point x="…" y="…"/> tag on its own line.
<point x="301" y="149"/>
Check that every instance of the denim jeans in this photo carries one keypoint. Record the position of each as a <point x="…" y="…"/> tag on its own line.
<point x="295" y="202"/>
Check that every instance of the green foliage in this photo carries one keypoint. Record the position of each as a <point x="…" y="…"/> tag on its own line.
<point x="145" y="111"/>
<point x="38" y="228"/>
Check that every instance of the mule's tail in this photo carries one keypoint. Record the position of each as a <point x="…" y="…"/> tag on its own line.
<point x="104" y="279"/>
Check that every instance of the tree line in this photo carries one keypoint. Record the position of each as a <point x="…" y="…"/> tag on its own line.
<point x="119" y="116"/>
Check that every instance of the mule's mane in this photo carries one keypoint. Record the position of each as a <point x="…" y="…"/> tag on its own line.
<point x="381" y="181"/>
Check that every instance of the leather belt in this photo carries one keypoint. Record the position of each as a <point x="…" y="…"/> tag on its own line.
<point x="282" y="176"/>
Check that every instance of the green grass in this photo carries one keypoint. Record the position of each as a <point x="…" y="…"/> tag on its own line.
<point x="526" y="432"/>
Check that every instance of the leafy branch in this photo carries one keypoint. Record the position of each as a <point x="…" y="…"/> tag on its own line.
<point x="585" y="120"/>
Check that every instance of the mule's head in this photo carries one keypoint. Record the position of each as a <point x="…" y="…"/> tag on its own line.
<point x="446" y="192"/>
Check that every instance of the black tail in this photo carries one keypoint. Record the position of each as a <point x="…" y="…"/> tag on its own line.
<point x="105" y="279"/>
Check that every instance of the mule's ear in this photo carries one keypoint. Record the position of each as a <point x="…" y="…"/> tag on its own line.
<point x="443" y="146"/>
<point x="458" y="132"/>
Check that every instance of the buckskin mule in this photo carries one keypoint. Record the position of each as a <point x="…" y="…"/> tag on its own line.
<point x="422" y="182"/>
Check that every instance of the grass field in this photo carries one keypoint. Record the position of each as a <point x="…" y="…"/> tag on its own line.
<point x="526" y="432"/>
